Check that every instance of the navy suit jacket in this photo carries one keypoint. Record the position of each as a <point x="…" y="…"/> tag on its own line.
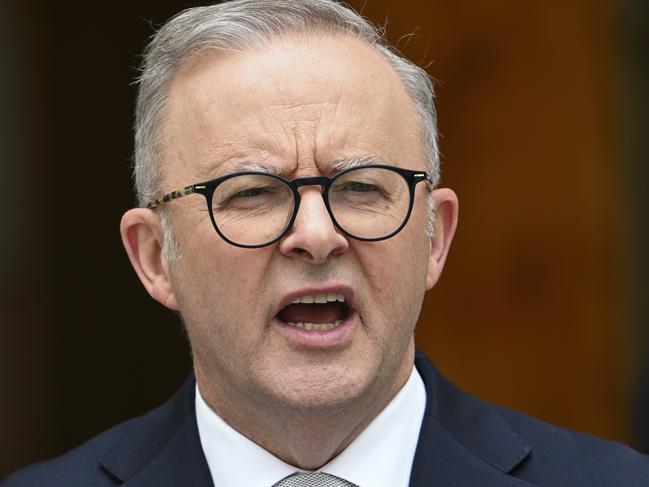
<point x="463" y="442"/>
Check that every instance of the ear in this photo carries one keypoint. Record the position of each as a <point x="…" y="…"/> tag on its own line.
<point x="143" y="239"/>
<point x="446" y="214"/>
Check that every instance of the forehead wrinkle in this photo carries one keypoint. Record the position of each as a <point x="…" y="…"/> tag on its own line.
<point x="300" y="114"/>
<point x="301" y="120"/>
<point x="203" y="144"/>
<point x="253" y="150"/>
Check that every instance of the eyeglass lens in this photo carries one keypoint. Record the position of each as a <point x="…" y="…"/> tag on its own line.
<point x="254" y="209"/>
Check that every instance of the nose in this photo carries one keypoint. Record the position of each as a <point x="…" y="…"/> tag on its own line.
<point x="313" y="237"/>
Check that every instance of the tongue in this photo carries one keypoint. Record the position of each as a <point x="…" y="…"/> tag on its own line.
<point x="313" y="313"/>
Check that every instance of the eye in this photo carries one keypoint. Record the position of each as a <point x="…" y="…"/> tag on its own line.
<point x="250" y="192"/>
<point x="247" y="192"/>
<point x="357" y="186"/>
<point x="244" y="198"/>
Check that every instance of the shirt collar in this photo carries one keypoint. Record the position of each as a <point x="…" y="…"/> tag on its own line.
<point x="381" y="455"/>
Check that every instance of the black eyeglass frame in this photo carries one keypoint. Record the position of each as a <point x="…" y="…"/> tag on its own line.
<point x="207" y="189"/>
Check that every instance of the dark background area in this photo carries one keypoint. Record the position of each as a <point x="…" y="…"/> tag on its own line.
<point x="543" y="307"/>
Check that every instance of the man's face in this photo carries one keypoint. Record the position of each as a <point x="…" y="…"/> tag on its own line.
<point x="295" y="106"/>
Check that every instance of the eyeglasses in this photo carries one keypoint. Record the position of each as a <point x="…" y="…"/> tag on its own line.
<point x="254" y="209"/>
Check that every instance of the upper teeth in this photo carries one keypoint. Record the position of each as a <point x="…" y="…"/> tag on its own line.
<point x="320" y="298"/>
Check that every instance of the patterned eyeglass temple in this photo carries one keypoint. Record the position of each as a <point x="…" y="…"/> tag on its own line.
<point x="172" y="196"/>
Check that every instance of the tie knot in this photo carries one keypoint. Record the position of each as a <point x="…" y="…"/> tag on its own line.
<point x="317" y="479"/>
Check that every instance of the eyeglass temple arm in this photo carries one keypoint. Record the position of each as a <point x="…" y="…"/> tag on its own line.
<point x="172" y="196"/>
<point x="424" y="176"/>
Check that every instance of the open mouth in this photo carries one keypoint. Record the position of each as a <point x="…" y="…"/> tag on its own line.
<point x="319" y="312"/>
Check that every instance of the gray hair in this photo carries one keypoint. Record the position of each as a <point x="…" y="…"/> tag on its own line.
<point x="240" y="25"/>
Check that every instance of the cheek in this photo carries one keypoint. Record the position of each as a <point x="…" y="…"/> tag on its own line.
<point x="396" y="272"/>
<point x="215" y="285"/>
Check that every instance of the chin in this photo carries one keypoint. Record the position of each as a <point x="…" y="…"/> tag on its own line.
<point x="325" y="393"/>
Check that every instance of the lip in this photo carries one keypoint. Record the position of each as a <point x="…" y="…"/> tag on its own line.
<point x="336" y="337"/>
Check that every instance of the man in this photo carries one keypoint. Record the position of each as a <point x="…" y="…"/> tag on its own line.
<point x="298" y="249"/>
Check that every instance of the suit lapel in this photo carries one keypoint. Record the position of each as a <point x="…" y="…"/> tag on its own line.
<point x="162" y="448"/>
<point x="180" y="463"/>
<point x="463" y="442"/>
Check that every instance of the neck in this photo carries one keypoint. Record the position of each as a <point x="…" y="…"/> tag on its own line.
<point x="306" y="437"/>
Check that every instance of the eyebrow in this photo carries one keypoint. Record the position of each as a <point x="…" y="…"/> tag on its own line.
<point x="352" y="162"/>
<point x="336" y="166"/>
<point x="245" y="166"/>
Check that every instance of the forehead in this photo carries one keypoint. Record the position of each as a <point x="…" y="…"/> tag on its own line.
<point x="295" y="102"/>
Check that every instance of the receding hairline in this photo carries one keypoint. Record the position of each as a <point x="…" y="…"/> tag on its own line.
<point x="195" y="57"/>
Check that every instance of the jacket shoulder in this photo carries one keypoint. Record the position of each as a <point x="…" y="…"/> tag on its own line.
<point x="556" y="450"/>
<point x="517" y="445"/>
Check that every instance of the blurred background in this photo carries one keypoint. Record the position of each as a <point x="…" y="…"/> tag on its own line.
<point x="544" y="115"/>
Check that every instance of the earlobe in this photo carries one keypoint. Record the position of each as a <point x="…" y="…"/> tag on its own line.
<point x="446" y="216"/>
<point x="143" y="241"/>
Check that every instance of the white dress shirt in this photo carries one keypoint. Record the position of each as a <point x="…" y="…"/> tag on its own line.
<point x="380" y="456"/>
